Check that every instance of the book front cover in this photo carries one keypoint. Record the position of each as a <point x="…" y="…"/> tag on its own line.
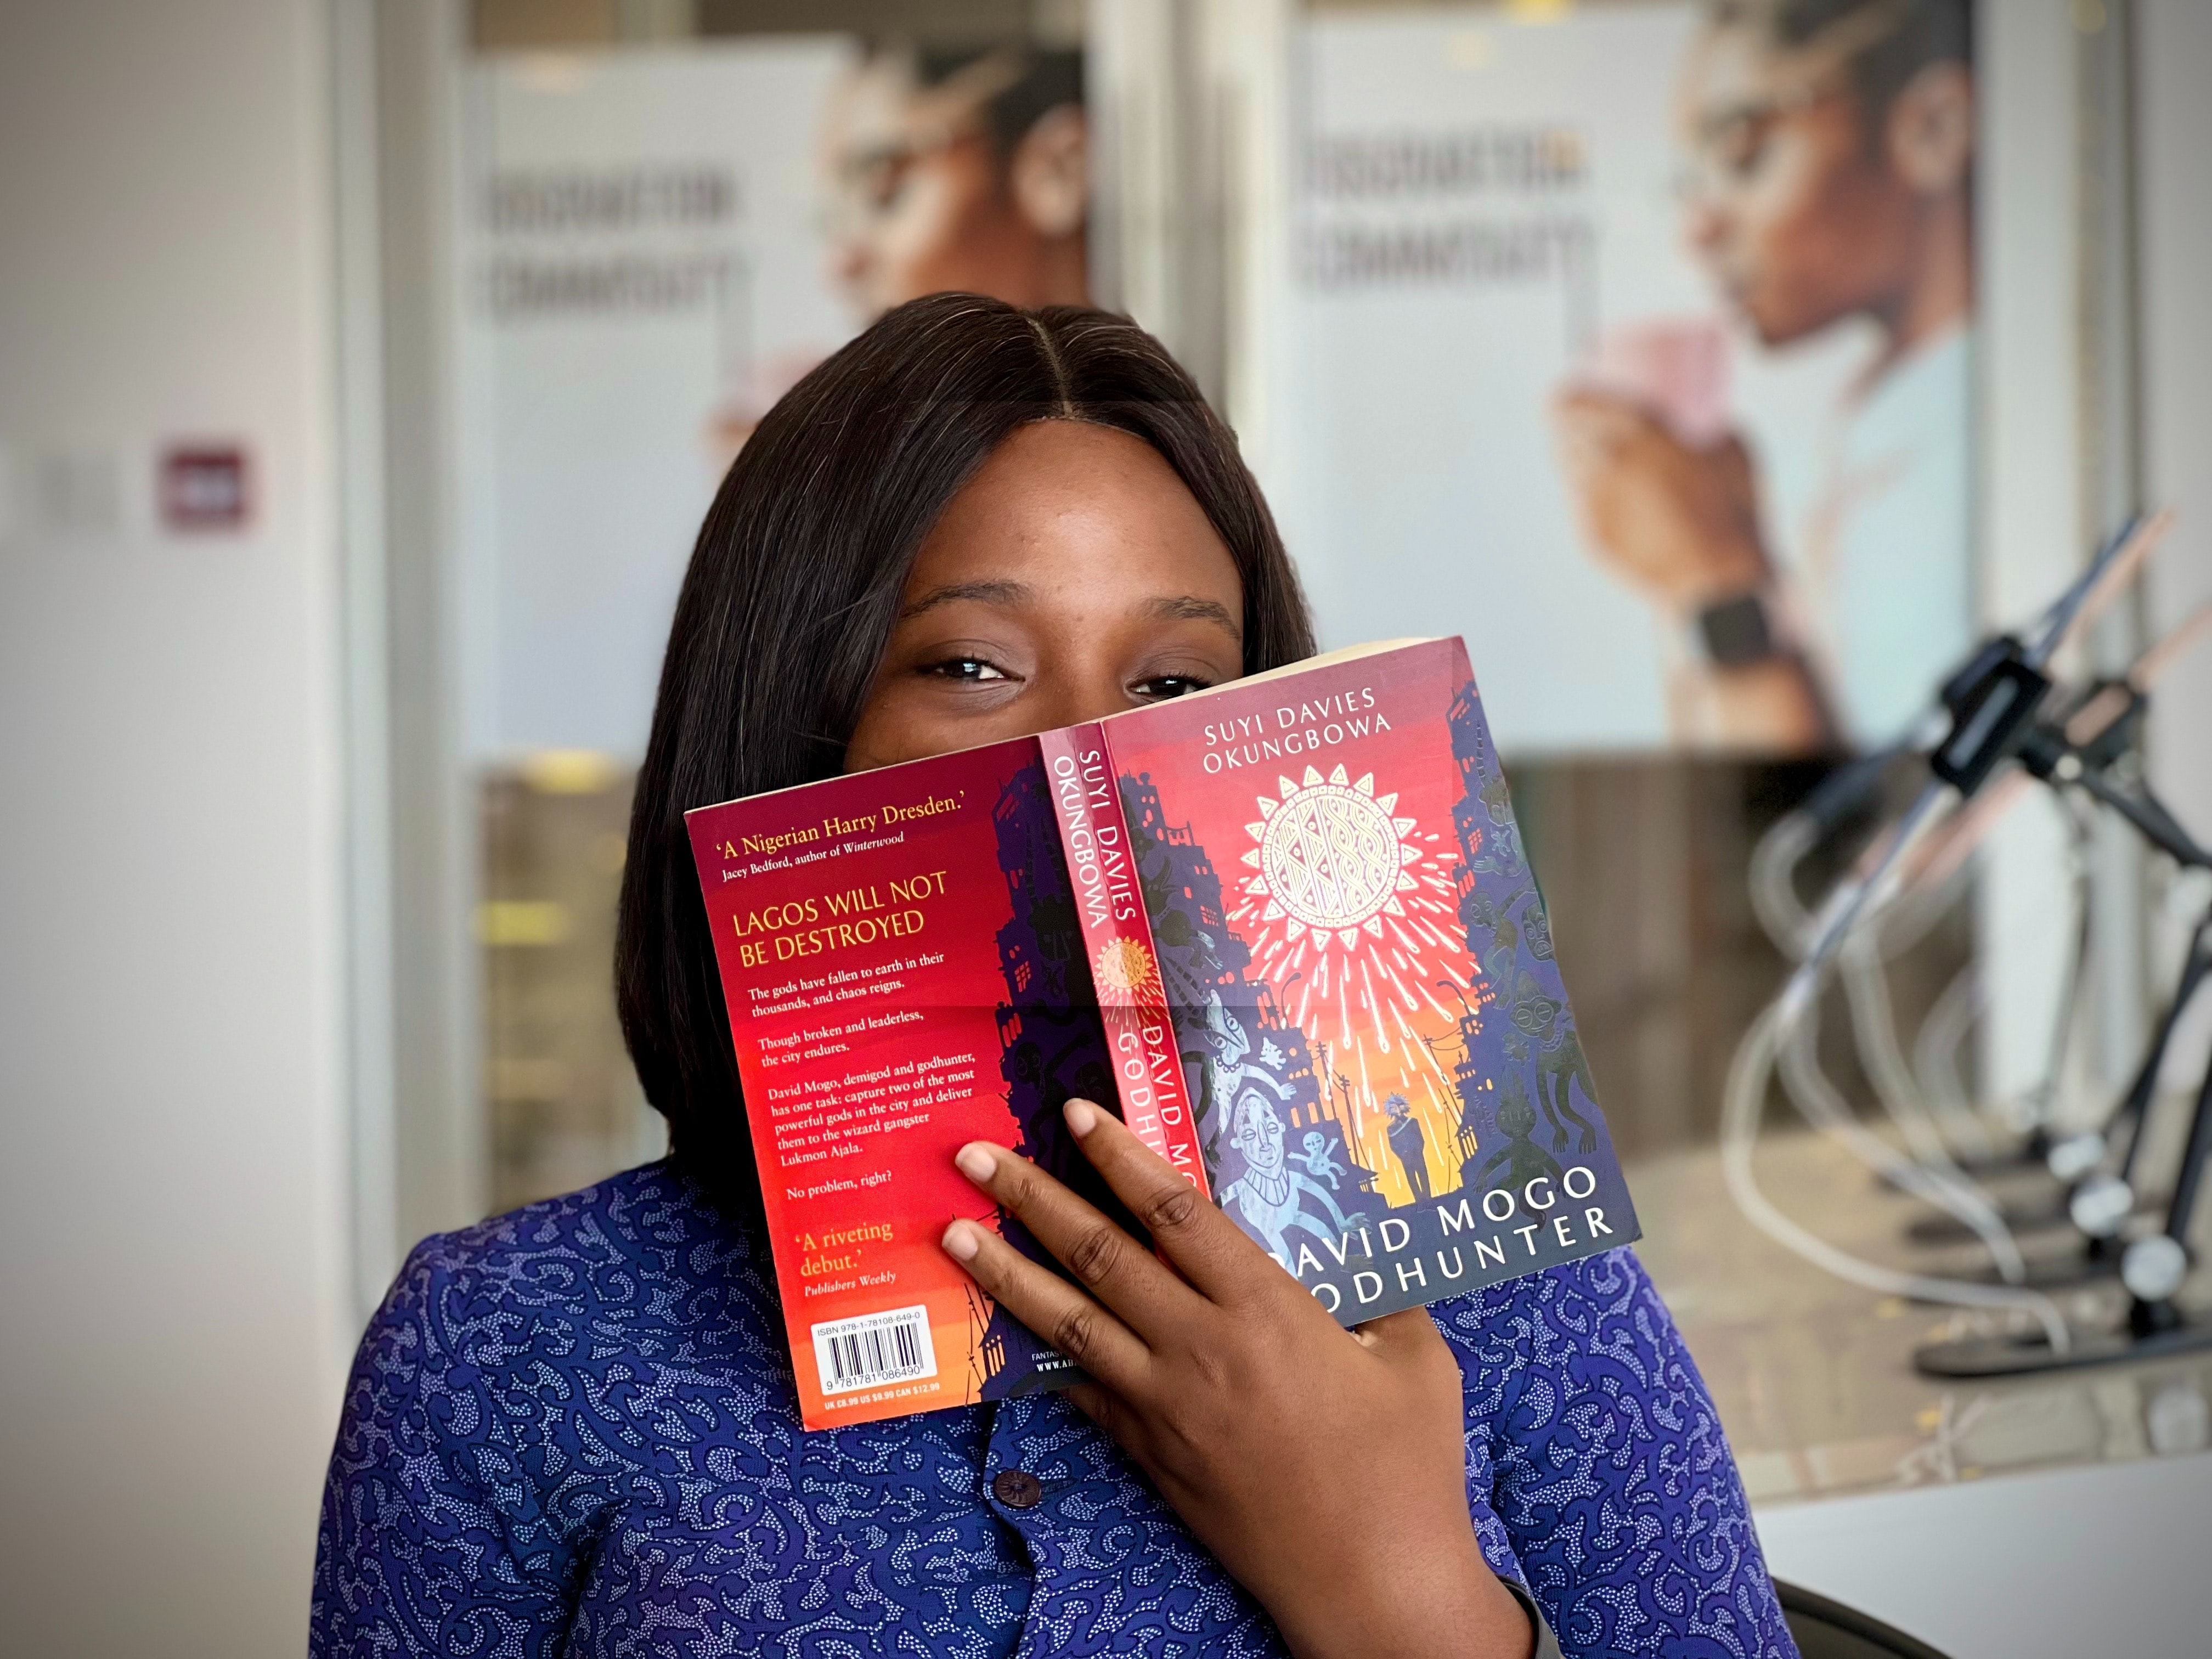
<point x="905" y="967"/>
<point x="1391" y="1096"/>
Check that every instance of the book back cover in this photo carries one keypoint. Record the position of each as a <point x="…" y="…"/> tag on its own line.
<point x="904" y="968"/>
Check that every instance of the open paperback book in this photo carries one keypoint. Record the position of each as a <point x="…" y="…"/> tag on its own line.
<point x="1285" y="927"/>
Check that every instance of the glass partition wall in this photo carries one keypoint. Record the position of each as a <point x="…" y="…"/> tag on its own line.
<point x="1481" y="306"/>
<point x="563" y="1105"/>
<point x="665" y="214"/>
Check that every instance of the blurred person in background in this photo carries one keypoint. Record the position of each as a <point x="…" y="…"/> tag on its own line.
<point x="1830" y="147"/>
<point x="960" y="172"/>
<point x="952" y="170"/>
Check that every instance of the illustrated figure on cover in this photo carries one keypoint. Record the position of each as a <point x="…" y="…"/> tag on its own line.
<point x="1228" y="1072"/>
<point x="1269" y="1198"/>
<point x="1525" y="1160"/>
<point x="1320" y="1159"/>
<point x="1560" y="1067"/>
<point x="1409" y="1145"/>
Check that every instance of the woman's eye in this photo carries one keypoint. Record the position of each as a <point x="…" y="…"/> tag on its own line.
<point x="967" y="669"/>
<point x="1161" y="688"/>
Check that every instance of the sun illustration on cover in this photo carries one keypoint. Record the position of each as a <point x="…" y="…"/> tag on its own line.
<point x="1329" y="857"/>
<point x="1125" y="973"/>
<point x="1351" y="913"/>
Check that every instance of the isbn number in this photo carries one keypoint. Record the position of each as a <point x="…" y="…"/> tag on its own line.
<point x="882" y="1348"/>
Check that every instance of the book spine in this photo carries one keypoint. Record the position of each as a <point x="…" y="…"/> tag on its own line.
<point x="1118" y="947"/>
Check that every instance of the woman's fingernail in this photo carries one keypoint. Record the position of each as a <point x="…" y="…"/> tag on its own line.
<point x="977" y="1161"/>
<point x="1082" y="1117"/>
<point x="961" y="1243"/>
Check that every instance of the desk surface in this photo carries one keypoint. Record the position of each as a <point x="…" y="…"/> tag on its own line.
<point x="1814" y="1376"/>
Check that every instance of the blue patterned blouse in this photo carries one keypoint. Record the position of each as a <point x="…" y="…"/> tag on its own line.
<point x="571" y="1430"/>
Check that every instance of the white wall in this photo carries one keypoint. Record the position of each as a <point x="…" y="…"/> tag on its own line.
<point x="2173" y="59"/>
<point x="170" y="1110"/>
<point x="2031" y="513"/>
<point x="2174" y="201"/>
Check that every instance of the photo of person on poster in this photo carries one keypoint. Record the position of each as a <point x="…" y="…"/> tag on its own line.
<point x="1828" y="179"/>
<point x="955" y="170"/>
<point x="960" y="172"/>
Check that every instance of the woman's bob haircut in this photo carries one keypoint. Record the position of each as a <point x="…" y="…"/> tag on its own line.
<point x="790" y="599"/>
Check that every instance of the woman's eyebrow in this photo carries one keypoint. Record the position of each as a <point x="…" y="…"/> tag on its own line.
<point x="1002" y="593"/>
<point x="1190" y="607"/>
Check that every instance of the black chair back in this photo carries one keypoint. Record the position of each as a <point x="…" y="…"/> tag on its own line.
<point x="1826" y="1629"/>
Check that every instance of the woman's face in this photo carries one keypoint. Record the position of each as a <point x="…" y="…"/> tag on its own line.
<point x="1788" y="204"/>
<point x="1074" y="577"/>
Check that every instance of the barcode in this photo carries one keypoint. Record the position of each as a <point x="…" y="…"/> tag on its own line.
<point x="882" y="1348"/>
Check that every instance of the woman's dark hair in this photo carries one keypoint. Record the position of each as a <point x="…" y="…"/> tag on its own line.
<point x="791" y="596"/>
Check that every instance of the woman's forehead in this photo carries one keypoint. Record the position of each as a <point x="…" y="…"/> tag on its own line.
<point x="1059" y="500"/>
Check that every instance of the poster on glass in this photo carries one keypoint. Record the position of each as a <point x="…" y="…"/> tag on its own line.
<point x="1634" y="341"/>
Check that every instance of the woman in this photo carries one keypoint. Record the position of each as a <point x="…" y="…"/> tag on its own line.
<point x="573" y="1428"/>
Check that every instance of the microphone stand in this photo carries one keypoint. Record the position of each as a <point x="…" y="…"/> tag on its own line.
<point x="1991" y="703"/>
<point x="2100" y="1201"/>
<point x="2093" y="751"/>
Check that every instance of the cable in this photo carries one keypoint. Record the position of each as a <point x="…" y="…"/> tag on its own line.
<point x="1825" y="1107"/>
<point x="1774" y="862"/>
<point x="2066" y="1024"/>
<point x="1932" y="1173"/>
<point x="1935" y="1059"/>
<point x="1937" y="1177"/>
<point x="1749" y="1072"/>
<point x="1874" y="1024"/>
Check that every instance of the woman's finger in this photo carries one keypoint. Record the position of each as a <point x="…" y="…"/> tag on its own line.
<point x="1207" y="1246"/>
<point x="1114" y="1267"/>
<point x="1056" y="1310"/>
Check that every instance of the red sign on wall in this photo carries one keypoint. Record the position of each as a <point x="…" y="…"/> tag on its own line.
<point x="205" y="487"/>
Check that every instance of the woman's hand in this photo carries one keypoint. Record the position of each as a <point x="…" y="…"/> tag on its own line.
<point x="1682" y="523"/>
<point x="1326" y="1469"/>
